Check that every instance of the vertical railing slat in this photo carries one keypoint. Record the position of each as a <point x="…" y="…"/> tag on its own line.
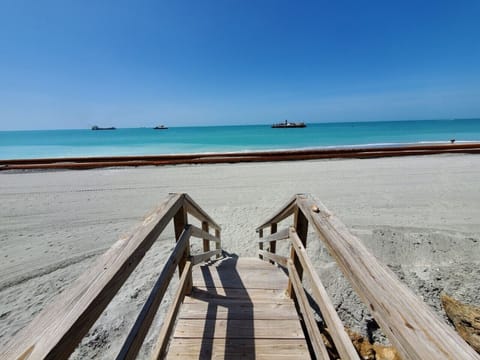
<point x="206" y="242"/>
<point x="273" y="244"/>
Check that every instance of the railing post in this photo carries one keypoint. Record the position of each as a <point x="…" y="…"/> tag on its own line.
<point x="206" y="242"/>
<point x="260" y="245"/>
<point x="180" y="221"/>
<point x="273" y="244"/>
<point x="218" y="245"/>
<point x="301" y="227"/>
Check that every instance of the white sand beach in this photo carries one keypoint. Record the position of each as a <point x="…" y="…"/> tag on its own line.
<point x="419" y="215"/>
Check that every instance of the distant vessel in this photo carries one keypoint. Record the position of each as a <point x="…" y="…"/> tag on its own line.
<point x="95" y="127"/>
<point x="160" y="127"/>
<point x="287" y="124"/>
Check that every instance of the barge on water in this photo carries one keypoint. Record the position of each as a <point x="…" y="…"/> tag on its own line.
<point x="95" y="127"/>
<point x="288" y="124"/>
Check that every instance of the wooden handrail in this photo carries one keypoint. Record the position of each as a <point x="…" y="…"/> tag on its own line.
<point x="201" y="234"/>
<point x="314" y="332"/>
<point x="410" y="325"/>
<point x="335" y="326"/>
<point x="58" y="329"/>
<point x="278" y="236"/>
<point x="194" y="209"/>
<point x="283" y="213"/>
<point x="137" y="334"/>
<point x="167" y="326"/>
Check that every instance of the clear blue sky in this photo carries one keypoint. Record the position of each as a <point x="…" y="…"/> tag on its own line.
<point x="71" y="64"/>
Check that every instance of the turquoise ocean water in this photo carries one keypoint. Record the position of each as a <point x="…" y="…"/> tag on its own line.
<point x="176" y="140"/>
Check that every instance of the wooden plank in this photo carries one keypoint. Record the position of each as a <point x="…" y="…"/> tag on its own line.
<point x="265" y="349"/>
<point x="301" y="227"/>
<point x="250" y="263"/>
<point x="180" y="221"/>
<point x="226" y="296"/>
<point x="258" y="279"/>
<point x="57" y="330"/>
<point x="237" y="310"/>
<point x="169" y="321"/>
<point x="197" y="259"/>
<point x="282" y="260"/>
<point x="194" y="209"/>
<point x="239" y="264"/>
<point x="273" y="243"/>
<point x="308" y="317"/>
<point x="284" y="212"/>
<point x="233" y="265"/>
<point x="199" y="233"/>
<point x="137" y="334"/>
<point x="218" y="244"/>
<point x="260" y="243"/>
<point x="409" y="323"/>
<point x="281" y="235"/>
<point x="335" y="326"/>
<point x="206" y="240"/>
<point x="239" y="329"/>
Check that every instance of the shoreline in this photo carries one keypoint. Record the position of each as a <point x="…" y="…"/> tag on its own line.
<point x="369" y="151"/>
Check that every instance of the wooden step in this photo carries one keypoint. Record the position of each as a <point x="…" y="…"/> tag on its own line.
<point x="234" y="310"/>
<point x="265" y="349"/>
<point x="238" y="329"/>
<point x="220" y="295"/>
<point x="238" y="309"/>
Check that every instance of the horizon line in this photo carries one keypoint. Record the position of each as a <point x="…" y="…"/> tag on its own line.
<point x="256" y="124"/>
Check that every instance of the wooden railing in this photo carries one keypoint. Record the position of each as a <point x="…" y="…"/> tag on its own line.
<point x="58" y="329"/>
<point x="410" y="325"/>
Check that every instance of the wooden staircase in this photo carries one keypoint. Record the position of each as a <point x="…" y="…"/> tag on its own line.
<point x="238" y="309"/>
<point x="232" y="307"/>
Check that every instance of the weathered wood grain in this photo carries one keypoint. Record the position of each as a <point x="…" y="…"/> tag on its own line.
<point x="238" y="322"/>
<point x="258" y="279"/>
<point x="205" y="235"/>
<point x="277" y="236"/>
<point x="141" y="326"/>
<point x="197" y="259"/>
<point x="284" y="212"/>
<point x="206" y="240"/>
<point x="193" y="208"/>
<point x="274" y="258"/>
<point x="57" y="330"/>
<point x="273" y="243"/>
<point x="309" y="319"/>
<point x="409" y="323"/>
<point x="300" y="223"/>
<point x="169" y="321"/>
<point x="180" y="220"/>
<point x="236" y="310"/>
<point x="218" y="244"/>
<point x="262" y="329"/>
<point x="264" y="349"/>
<point x="226" y="296"/>
<point x="260" y="243"/>
<point x="340" y="337"/>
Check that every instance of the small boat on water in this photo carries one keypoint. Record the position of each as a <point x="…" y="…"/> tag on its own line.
<point x="160" y="127"/>
<point x="288" y="124"/>
<point x="95" y="127"/>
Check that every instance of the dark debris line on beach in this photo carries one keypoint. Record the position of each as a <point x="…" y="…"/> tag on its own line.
<point x="261" y="156"/>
